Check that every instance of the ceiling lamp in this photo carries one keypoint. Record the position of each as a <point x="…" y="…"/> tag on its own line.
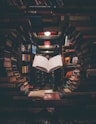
<point x="47" y="44"/>
<point x="47" y="33"/>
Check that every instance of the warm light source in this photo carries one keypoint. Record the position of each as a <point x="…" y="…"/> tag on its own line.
<point x="47" y="44"/>
<point x="47" y="33"/>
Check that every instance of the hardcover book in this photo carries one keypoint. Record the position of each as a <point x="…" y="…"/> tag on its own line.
<point x="47" y="65"/>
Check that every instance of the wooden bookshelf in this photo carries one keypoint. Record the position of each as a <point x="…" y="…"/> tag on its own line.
<point x="26" y="60"/>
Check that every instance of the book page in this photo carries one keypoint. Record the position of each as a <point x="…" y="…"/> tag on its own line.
<point x="39" y="93"/>
<point x="55" y="63"/>
<point x="41" y="63"/>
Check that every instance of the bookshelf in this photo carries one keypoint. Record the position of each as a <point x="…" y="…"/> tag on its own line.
<point x="8" y="63"/>
<point x="85" y="49"/>
<point x="70" y="70"/>
<point x="11" y="78"/>
<point x="26" y="60"/>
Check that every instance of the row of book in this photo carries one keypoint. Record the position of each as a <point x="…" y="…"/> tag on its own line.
<point x="44" y="117"/>
<point x="25" y="48"/>
<point x="70" y="60"/>
<point x="63" y="121"/>
<point x="10" y="76"/>
<point x="26" y="57"/>
<point x="25" y="69"/>
<point x="86" y="54"/>
<point x="85" y="47"/>
<point x="35" y="3"/>
<point x="69" y="55"/>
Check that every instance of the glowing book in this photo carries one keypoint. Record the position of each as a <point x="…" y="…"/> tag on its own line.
<point x="42" y="63"/>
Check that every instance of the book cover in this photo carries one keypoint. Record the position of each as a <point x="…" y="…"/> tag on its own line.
<point x="42" y="63"/>
<point x="39" y="93"/>
<point x="34" y="49"/>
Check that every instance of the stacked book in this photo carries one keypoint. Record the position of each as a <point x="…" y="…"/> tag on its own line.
<point x="72" y="81"/>
<point x="10" y="77"/>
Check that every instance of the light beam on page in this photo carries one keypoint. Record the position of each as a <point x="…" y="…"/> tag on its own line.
<point x="42" y="63"/>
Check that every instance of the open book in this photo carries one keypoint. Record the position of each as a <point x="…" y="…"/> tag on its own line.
<point x="42" y="63"/>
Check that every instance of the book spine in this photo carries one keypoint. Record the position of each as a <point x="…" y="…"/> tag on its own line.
<point x="58" y="3"/>
<point x="7" y="64"/>
<point x="61" y="3"/>
<point x="23" y="57"/>
<point x="25" y="69"/>
<point x="45" y="2"/>
<point x="37" y="3"/>
<point x="49" y="2"/>
<point x="12" y="79"/>
<point x="9" y="43"/>
<point x="10" y="73"/>
<point x="7" y="85"/>
<point x="26" y="57"/>
<point x="5" y="54"/>
<point x="54" y="3"/>
<point x="22" y="69"/>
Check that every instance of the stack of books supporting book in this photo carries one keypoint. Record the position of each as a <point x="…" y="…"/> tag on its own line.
<point x="72" y="81"/>
<point x="43" y="80"/>
<point x="44" y="70"/>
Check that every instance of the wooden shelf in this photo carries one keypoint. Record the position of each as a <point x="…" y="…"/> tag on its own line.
<point x="68" y="52"/>
<point x="46" y="52"/>
<point x="47" y="47"/>
<point x="91" y="72"/>
<point x="7" y="85"/>
<point x="71" y="65"/>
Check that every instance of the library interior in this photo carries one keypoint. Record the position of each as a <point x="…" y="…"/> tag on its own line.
<point x="47" y="62"/>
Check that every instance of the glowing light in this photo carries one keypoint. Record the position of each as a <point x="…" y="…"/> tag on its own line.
<point x="47" y="46"/>
<point x="47" y="43"/>
<point x="47" y="33"/>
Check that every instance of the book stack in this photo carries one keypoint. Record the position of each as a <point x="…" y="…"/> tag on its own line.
<point x="72" y="81"/>
<point x="5" y="63"/>
<point x="86" y="51"/>
<point x="10" y="75"/>
<point x="25" y="60"/>
<point x="43" y="80"/>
